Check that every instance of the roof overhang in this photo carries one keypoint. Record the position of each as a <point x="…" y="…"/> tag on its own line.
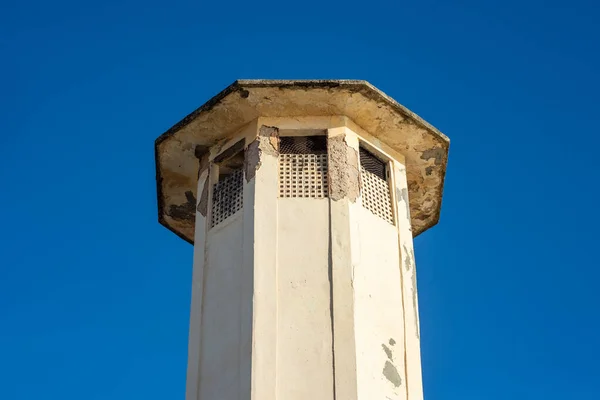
<point x="424" y="147"/>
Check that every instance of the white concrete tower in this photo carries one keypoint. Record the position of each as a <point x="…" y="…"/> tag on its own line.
<point x="302" y="199"/>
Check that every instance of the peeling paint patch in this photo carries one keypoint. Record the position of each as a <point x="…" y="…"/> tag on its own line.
<point x="388" y="352"/>
<point x="422" y="217"/>
<point x="437" y="153"/>
<point x="408" y="258"/>
<point x="185" y="211"/>
<point x="409" y="261"/>
<point x="272" y="134"/>
<point x="389" y="370"/>
<point x="402" y="196"/>
<point x="414" y="305"/>
<point x="203" y="203"/>
<point x="252" y="160"/>
<point x="344" y="175"/>
<point x="267" y="143"/>
<point x="391" y="374"/>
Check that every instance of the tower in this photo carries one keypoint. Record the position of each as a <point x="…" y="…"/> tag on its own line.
<point x="302" y="199"/>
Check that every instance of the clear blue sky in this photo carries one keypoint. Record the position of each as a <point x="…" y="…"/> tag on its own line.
<point x="94" y="293"/>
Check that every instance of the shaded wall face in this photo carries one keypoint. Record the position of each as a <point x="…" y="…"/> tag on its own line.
<point x="221" y="315"/>
<point x="299" y="293"/>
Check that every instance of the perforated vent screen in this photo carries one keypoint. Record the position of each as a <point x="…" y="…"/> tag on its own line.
<point x="376" y="191"/>
<point x="227" y="197"/>
<point x="303" y="166"/>
<point x="303" y="145"/>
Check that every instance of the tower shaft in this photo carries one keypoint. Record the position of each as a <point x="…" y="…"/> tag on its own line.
<point x="304" y="277"/>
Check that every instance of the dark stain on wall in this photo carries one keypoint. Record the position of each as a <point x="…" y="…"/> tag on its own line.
<point x="185" y="211"/>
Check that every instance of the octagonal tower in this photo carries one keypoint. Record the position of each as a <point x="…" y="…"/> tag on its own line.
<point x="302" y="199"/>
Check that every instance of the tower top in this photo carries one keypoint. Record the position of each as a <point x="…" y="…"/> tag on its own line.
<point x="179" y="149"/>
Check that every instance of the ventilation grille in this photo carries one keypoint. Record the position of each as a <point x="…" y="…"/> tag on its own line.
<point x="303" y="145"/>
<point x="227" y="197"/>
<point x="376" y="191"/>
<point x="372" y="164"/>
<point x="303" y="167"/>
<point x="303" y="175"/>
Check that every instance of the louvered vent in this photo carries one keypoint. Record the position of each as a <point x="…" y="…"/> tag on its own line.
<point x="375" y="187"/>
<point x="303" y="166"/>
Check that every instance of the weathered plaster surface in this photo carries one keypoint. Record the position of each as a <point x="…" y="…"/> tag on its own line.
<point x="378" y="310"/>
<point x="409" y="264"/>
<point x="391" y="374"/>
<point x="425" y="148"/>
<point x="344" y="176"/>
<point x="408" y="274"/>
<point x="203" y="202"/>
<point x="343" y="249"/>
<point x="267" y="143"/>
